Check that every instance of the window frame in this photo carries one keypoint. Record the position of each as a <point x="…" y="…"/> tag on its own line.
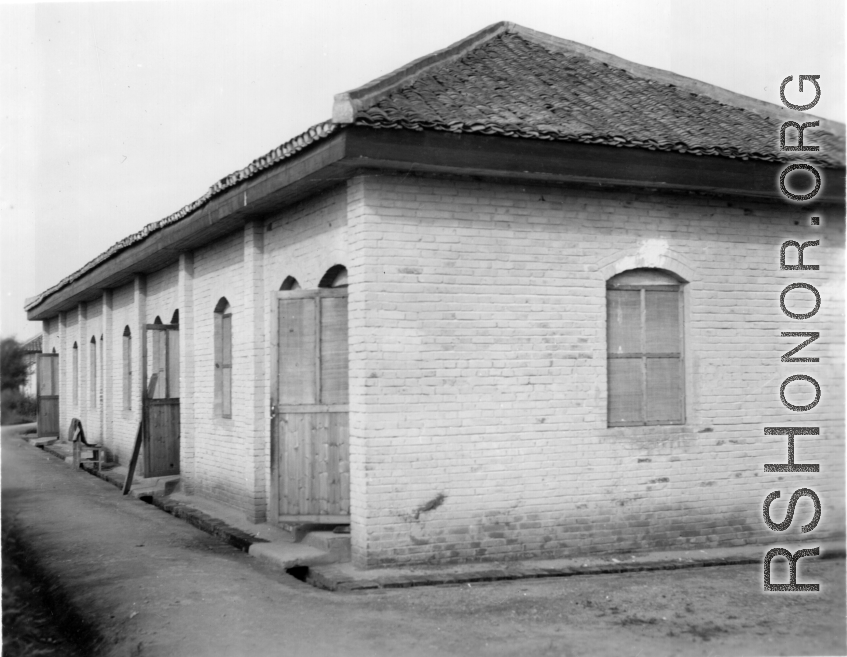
<point x="223" y="397"/>
<point x="75" y="362"/>
<point x="127" y="369"/>
<point x="644" y="354"/>
<point x="92" y="372"/>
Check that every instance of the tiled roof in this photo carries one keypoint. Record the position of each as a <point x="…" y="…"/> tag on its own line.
<point x="33" y="345"/>
<point x="511" y="81"/>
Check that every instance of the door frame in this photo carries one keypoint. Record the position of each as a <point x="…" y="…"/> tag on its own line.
<point x="54" y="377"/>
<point x="276" y="408"/>
<point x="146" y="392"/>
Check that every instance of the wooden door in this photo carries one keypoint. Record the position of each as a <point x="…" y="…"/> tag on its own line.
<point x="310" y="464"/>
<point x="47" y="393"/>
<point x="160" y="359"/>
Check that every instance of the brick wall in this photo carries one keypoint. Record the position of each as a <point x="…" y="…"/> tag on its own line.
<point x="162" y="294"/>
<point x="50" y="335"/>
<point x="68" y="331"/>
<point x="303" y="242"/>
<point x="478" y="372"/>
<point x="124" y="422"/>
<point x="219" y="448"/>
<point x="231" y="456"/>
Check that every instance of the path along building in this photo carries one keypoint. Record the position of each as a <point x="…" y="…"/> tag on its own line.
<point x="519" y="298"/>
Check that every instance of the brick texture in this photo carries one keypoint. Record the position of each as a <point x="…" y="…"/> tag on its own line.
<point x="478" y="366"/>
<point x="478" y="372"/>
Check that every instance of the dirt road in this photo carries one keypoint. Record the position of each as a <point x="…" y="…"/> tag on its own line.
<point x="153" y="585"/>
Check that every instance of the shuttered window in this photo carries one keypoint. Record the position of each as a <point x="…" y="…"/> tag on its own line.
<point x="76" y="374"/>
<point x="644" y="343"/>
<point x="333" y="353"/>
<point x="313" y="349"/>
<point x="313" y="359"/>
<point x="92" y="373"/>
<point x="223" y="359"/>
<point x="127" y="369"/>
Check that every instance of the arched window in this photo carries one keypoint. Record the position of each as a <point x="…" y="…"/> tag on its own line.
<point x="75" y="383"/>
<point x="223" y="359"/>
<point x="290" y="283"/>
<point x="54" y="350"/>
<point x="102" y="375"/>
<point x="92" y="372"/>
<point x="644" y="347"/>
<point x="175" y="317"/>
<point x="158" y="320"/>
<point x="127" y="369"/>
<point x="313" y="339"/>
<point x="335" y="276"/>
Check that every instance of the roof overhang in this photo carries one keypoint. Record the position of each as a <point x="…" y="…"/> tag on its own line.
<point x="353" y="149"/>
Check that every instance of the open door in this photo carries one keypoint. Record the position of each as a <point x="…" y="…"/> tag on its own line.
<point x="310" y="463"/>
<point x="47" y="392"/>
<point x="160" y="360"/>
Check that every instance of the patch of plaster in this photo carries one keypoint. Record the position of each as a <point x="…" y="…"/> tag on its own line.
<point x="653" y="250"/>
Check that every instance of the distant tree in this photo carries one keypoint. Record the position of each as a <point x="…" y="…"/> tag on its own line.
<point x="13" y="368"/>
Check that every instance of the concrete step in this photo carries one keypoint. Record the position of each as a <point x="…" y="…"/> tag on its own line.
<point x="335" y="545"/>
<point x="154" y="485"/>
<point x="44" y="440"/>
<point x="285" y="555"/>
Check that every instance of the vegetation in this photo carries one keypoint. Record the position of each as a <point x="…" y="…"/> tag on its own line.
<point x="13" y="368"/>
<point x="16" y="407"/>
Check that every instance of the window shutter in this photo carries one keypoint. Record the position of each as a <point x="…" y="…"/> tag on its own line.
<point x="645" y="375"/>
<point x="173" y="364"/>
<point x="333" y="350"/>
<point x="226" y="365"/>
<point x="44" y="375"/>
<point x="218" y="363"/>
<point x="92" y="372"/>
<point x="54" y="374"/>
<point x="159" y="338"/>
<point x="75" y="382"/>
<point x="127" y="344"/>
<point x="297" y="345"/>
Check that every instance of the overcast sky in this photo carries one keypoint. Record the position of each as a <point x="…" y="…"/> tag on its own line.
<point x="115" y="115"/>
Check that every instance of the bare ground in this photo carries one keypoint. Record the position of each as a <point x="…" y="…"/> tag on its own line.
<point x="150" y="584"/>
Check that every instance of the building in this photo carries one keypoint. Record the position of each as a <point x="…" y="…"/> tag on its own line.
<point x="519" y="298"/>
<point x="31" y="349"/>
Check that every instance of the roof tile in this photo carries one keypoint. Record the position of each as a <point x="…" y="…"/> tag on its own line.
<point x="511" y="85"/>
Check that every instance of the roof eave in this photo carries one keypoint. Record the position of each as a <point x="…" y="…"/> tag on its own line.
<point x="357" y="148"/>
<point x="254" y="198"/>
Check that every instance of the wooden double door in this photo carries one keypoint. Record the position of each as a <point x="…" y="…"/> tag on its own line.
<point x="47" y="393"/>
<point x="310" y="463"/>
<point x="160" y="399"/>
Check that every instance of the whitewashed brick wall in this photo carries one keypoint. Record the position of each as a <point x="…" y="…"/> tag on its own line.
<point x="124" y="423"/>
<point x="219" y="446"/>
<point x="68" y="328"/>
<point x="478" y="372"/>
<point x="50" y="335"/>
<point x="162" y="294"/>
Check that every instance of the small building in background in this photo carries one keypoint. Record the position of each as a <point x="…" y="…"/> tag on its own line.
<point x="31" y="349"/>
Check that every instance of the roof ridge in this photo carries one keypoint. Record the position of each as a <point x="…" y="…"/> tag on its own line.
<point x="349" y="103"/>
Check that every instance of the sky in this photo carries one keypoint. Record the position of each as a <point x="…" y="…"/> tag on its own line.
<point x="114" y="115"/>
